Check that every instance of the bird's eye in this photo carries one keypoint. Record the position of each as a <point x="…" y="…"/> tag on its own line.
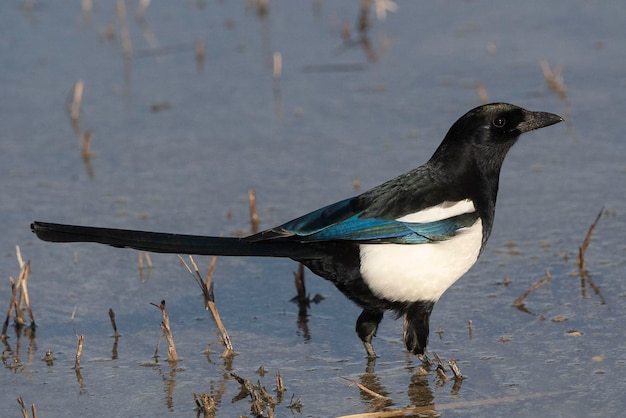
<point x="499" y="122"/>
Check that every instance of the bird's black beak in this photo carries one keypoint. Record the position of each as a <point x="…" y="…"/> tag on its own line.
<point x="536" y="120"/>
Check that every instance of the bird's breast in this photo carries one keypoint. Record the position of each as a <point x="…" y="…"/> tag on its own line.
<point x="412" y="272"/>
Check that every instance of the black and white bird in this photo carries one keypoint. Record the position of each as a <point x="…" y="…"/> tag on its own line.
<point x="396" y="247"/>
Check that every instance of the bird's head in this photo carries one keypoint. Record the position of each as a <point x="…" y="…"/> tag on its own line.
<point x="483" y="136"/>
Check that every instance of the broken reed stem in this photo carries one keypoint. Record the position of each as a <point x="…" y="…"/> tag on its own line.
<point x="77" y="97"/>
<point x="12" y="303"/>
<point x="277" y="65"/>
<point x="280" y="388"/>
<point x="363" y="22"/>
<point x="520" y="301"/>
<point x="209" y="274"/>
<point x="87" y="7"/>
<point x="143" y="254"/>
<point x="205" y="404"/>
<point x="583" y="248"/>
<point x="261" y="399"/>
<point x="482" y="93"/>
<point x="156" y="350"/>
<point x="79" y="351"/>
<point x="554" y="80"/>
<point x="442" y="374"/>
<point x="200" y="52"/>
<point x="209" y="301"/>
<point x="33" y="408"/>
<point x="141" y="9"/>
<point x="438" y="360"/>
<point x="365" y="389"/>
<point x="24" y="298"/>
<point x="262" y="7"/>
<point x="441" y="369"/>
<point x="18" y="303"/>
<point x="254" y="216"/>
<point x="113" y="324"/>
<point x="86" y="145"/>
<point x="172" y="355"/>
<point x="455" y="369"/>
<point x="125" y="34"/>
<point x="22" y="407"/>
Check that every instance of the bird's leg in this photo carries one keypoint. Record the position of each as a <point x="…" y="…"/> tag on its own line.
<point x="416" y="317"/>
<point x="366" y="326"/>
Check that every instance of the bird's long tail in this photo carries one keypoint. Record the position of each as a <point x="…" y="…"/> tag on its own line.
<point x="159" y="242"/>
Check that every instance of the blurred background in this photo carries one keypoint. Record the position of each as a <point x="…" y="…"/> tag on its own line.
<point x="163" y="115"/>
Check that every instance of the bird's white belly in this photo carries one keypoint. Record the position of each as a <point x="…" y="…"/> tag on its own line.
<point x="411" y="272"/>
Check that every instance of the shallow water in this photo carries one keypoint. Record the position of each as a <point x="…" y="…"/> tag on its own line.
<point x="176" y="146"/>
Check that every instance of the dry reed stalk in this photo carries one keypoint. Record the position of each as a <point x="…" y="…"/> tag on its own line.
<point x="261" y="399"/>
<point x="482" y="93"/>
<point x="205" y="404"/>
<point x="172" y="355"/>
<point x="209" y="301"/>
<point x="455" y="369"/>
<point x="79" y="351"/>
<point x="77" y="98"/>
<point x="583" y="248"/>
<point x="22" y="283"/>
<point x="277" y="65"/>
<point x="262" y="7"/>
<point x="22" y="407"/>
<point x="127" y="47"/>
<point x="141" y="9"/>
<point x="442" y="375"/>
<point x="280" y="388"/>
<point x="519" y="302"/>
<point x="295" y="404"/>
<point x="142" y="255"/>
<point x="554" y="79"/>
<point x="585" y="277"/>
<point x="365" y="389"/>
<point x="441" y="369"/>
<point x="12" y="303"/>
<point x="363" y="23"/>
<point x="156" y="350"/>
<point x="254" y="216"/>
<point x="87" y="6"/>
<point x="277" y="70"/>
<point x="200" y="53"/>
<point x="113" y="324"/>
<point x="86" y="145"/>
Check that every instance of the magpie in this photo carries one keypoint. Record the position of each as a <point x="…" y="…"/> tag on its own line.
<point x="396" y="247"/>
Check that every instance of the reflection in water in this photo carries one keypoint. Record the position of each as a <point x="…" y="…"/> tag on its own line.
<point x="421" y="397"/>
<point x="419" y="391"/>
<point x="81" y="383"/>
<point x="304" y="302"/>
<point x="170" y="382"/>
<point x="370" y="380"/>
<point x="12" y="359"/>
